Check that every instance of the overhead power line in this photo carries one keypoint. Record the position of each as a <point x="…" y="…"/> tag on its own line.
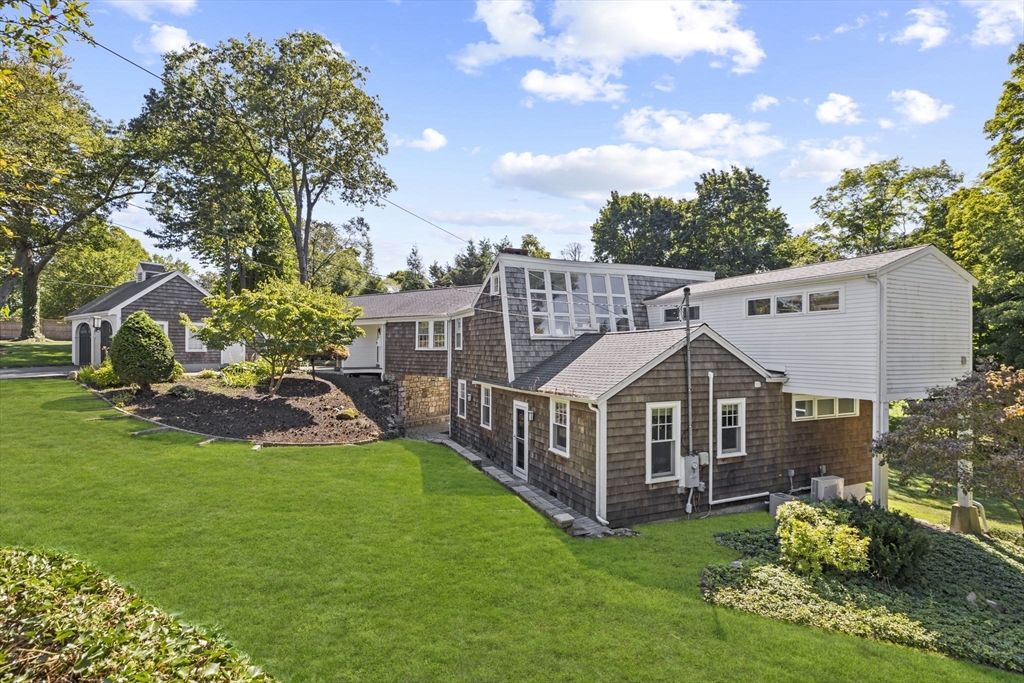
<point x="307" y="158"/>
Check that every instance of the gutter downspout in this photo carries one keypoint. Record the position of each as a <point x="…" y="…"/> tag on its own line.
<point x="879" y="472"/>
<point x="712" y="411"/>
<point x="601" y="464"/>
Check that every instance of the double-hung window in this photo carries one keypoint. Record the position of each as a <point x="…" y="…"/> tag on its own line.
<point x="194" y="344"/>
<point x="485" y="407"/>
<point x="662" y="441"/>
<point x="461" y="406"/>
<point x="565" y="303"/>
<point x="560" y="426"/>
<point x="431" y="334"/>
<point x="495" y="288"/>
<point x="458" y="334"/>
<point x="732" y="427"/>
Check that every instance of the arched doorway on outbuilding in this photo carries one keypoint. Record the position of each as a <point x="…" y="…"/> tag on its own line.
<point x="84" y="344"/>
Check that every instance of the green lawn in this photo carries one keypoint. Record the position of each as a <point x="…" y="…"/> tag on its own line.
<point x="26" y="354"/>
<point x="394" y="561"/>
<point x="914" y="499"/>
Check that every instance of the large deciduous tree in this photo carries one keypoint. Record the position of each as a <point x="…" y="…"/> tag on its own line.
<point x="728" y="228"/>
<point x="283" y="322"/>
<point x="77" y="169"/>
<point x="878" y="207"/>
<point x="469" y="266"/>
<point x="294" y="113"/>
<point x="341" y="258"/>
<point x="80" y="273"/>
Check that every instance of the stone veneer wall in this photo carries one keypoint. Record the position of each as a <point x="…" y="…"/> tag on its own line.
<point x="422" y="399"/>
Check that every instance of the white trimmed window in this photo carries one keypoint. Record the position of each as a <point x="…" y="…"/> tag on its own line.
<point x="823" y="407"/>
<point x="789" y="304"/>
<point x="495" y="287"/>
<point x="819" y="302"/>
<point x="732" y="427"/>
<point x="759" y="307"/>
<point x="163" y="326"/>
<point x="461" y="407"/>
<point x="431" y="334"/>
<point x="560" y="426"/>
<point x="192" y="343"/>
<point x="485" y="407"/>
<point x="564" y="304"/>
<point x="458" y="334"/>
<point x="663" y="441"/>
<point x="675" y="315"/>
<point x="825" y="301"/>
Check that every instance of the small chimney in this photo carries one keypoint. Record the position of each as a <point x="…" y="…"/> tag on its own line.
<point x="146" y="270"/>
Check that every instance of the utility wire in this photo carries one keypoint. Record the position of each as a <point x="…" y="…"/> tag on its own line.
<point x="307" y="158"/>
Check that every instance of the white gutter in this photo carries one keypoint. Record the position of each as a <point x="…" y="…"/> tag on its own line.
<point x="879" y="472"/>
<point x="601" y="466"/>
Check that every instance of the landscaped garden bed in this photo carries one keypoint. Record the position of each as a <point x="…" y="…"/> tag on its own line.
<point x="966" y="598"/>
<point x="60" y="620"/>
<point x="305" y="410"/>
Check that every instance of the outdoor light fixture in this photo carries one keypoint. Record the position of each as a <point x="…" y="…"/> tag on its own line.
<point x="96" y="321"/>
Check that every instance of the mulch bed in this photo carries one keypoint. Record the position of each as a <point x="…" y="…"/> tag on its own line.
<point x="305" y="410"/>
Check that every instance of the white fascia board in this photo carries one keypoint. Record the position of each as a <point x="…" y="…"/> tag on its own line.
<point x="483" y="285"/>
<point x="506" y="321"/>
<point x="465" y="313"/>
<point x="932" y="250"/>
<point x="609" y="268"/>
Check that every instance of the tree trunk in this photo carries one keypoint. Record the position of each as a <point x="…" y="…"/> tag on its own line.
<point x="11" y="280"/>
<point x="30" y="328"/>
<point x="227" y="268"/>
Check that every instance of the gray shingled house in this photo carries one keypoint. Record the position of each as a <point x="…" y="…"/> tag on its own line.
<point x="410" y="337"/>
<point x="573" y="376"/>
<point x="164" y="295"/>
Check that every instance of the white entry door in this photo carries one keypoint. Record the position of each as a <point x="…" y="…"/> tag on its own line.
<point x="520" y="439"/>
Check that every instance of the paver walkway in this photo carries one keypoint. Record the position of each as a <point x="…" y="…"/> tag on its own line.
<point x="575" y="523"/>
<point x="37" y="373"/>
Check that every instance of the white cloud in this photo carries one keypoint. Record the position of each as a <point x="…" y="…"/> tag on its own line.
<point x="574" y="87"/>
<point x="826" y="162"/>
<point x="999" y="21"/>
<point x="591" y="173"/>
<point x="430" y="141"/>
<point x="918" y="107"/>
<point x="162" y="39"/>
<point x="144" y="10"/>
<point x="838" y="109"/>
<point x="886" y="123"/>
<point x="716" y="134"/>
<point x="763" y="102"/>
<point x="665" y="84"/>
<point x="589" y="42"/>
<point x="929" y="27"/>
<point x="498" y="217"/>
<point x="861" y="21"/>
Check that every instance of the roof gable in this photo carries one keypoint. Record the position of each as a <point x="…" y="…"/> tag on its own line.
<point x="419" y="303"/>
<point x="128" y="292"/>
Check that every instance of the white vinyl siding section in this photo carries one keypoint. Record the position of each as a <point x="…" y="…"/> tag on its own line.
<point x="832" y="353"/>
<point x="928" y="327"/>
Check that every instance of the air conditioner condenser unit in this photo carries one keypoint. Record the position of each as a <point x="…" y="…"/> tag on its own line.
<point x="827" y="488"/>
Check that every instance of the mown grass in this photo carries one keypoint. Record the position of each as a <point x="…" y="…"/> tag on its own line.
<point x="394" y="561"/>
<point x="26" y="354"/>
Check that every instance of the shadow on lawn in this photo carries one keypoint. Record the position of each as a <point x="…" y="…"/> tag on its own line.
<point x="444" y="474"/>
<point x="75" y="404"/>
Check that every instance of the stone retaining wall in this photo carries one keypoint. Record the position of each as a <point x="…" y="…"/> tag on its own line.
<point x="422" y="399"/>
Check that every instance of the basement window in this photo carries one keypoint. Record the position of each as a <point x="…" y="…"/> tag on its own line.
<point x="663" y="441"/>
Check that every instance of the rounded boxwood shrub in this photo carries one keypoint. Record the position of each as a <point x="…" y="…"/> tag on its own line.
<point x="897" y="544"/>
<point x="141" y="353"/>
<point x="812" y="539"/>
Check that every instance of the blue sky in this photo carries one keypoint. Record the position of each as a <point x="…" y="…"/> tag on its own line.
<point x="512" y="117"/>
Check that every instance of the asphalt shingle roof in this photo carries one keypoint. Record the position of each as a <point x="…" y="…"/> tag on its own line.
<point x="423" y="303"/>
<point x="851" y="266"/>
<point x="594" y="363"/>
<point x="118" y="295"/>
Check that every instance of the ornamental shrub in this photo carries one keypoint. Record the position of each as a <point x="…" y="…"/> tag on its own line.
<point x="141" y="353"/>
<point x="102" y="377"/>
<point x="897" y="545"/>
<point x="812" y="539"/>
<point x="246" y="373"/>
